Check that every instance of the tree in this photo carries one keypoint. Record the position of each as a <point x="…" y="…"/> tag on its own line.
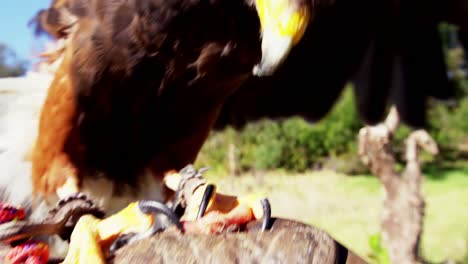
<point x="10" y="65"/>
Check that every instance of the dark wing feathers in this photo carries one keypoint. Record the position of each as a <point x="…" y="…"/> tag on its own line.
<point x="314" y="74"/>
<point x="390" y="49"/>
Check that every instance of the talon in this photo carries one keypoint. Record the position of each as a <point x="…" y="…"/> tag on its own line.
<point x="207" y="196"/>
<point x="154" y="207"/>
<point x="74" y="196"/>
<point x="81" y="196"/>
<point x="206" y="211"/>
<point x="187" y="180"/>
<point x="61" y="202"/>
<point x="266" y="222"/>
<point x="177" y="206"/>
<point x="120" y="242"/>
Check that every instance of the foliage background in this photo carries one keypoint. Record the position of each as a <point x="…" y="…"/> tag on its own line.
<point x="294" y="145"/>
<point x="10" y="64"/>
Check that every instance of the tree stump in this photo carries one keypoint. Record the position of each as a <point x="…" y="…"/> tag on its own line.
<point x="403" y="205"/>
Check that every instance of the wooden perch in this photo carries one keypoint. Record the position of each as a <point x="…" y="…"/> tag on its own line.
<point x="403" y="205"/>
<point x="287" y="242"/>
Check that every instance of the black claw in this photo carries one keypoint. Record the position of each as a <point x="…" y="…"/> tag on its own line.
<point x="121" y="241"/>
<point x="75" y="196"/>
<point x="177" y="204"/>
<point x="154" y="207"/>
<point x="81" y="195"/>
<point x="188" y="173"/>
<point x="203" y="170"/>
<point x="266" y="223"/>
<point x="178" y="210"/>
<point x="207" y="195"/>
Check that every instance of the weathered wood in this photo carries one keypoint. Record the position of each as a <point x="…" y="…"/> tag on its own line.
<point x="403" y="205"/>
<point x="287" y="242"/>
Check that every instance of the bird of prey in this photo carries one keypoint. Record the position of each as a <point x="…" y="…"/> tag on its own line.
<point x="141" y="83"/>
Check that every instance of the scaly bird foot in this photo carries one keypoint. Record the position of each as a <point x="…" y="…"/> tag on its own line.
<point x="92" y="238"/>
<point x="59" y="221"/>
<point x="216" y="222"/>
<point x="206" y="211"/>
<point x="70" y="209"/>
<point x="223" y="212"/>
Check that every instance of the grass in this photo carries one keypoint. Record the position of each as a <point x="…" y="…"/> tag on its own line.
<point x="348" y="208"/>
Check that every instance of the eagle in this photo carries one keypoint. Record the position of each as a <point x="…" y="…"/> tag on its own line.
<point x="140" y="85"/>
<point x="142" y="82"/>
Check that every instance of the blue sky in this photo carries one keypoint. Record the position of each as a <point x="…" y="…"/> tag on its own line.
<point x="14" y="31"/>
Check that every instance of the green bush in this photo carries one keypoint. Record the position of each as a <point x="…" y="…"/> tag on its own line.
<point x="291" y="144"/>
<point x="10" y="65"/>
<point x="449" y="127"/>
<point x="295" y="145"/>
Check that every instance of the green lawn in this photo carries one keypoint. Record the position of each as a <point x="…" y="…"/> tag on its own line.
<point x="349" y="207"/>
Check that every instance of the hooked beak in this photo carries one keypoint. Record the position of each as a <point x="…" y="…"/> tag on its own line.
<point x="283" y="24"/>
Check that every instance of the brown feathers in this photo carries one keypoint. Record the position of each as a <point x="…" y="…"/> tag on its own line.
<point x="141" y="85"/>
<point x="51" y="164"/>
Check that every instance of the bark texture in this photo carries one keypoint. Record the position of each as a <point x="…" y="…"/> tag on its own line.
<point x="403" y="205"/>
<point x="287" y="242"/>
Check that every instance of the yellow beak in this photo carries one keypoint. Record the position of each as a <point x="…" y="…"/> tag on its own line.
<point x="283" y="25"/>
